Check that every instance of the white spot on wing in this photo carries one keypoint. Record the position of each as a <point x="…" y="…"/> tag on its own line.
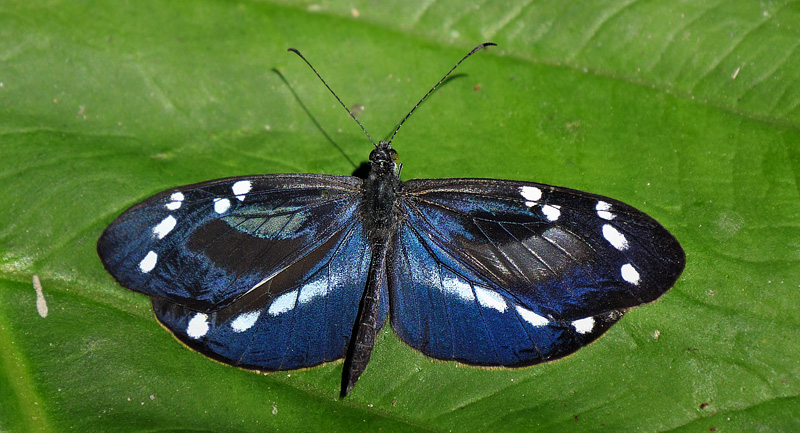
<point x="457" y="287"/>
<point x="312" y="290"/>
<point x="531" y="317"/>
<point x="41" y="304"/>
<point x="531" y="194"/>
<point x="583" y="326"/>
<point x="241" y="188"/>
<point x="283" y="303"/>
<point x="629" y="273"/>
<point x="221" y="205"/>
<point x="490" y="299"/>
<point x="164" y="227"/>
<point x="175" y="201"/>
<point x="552" y="212"/>
<point x="614" y="237"/>
<point x="148" y="262"/>
<point x="604" y="210"/>
<point x="245" y="321"/>
<point x="198" y="326"/>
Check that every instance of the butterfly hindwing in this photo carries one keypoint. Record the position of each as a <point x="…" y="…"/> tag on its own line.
<point x="204" y="245"/>
<point x="440" y="310"/>
<point x="309" y="323"/>
<point x="497" y="272"/>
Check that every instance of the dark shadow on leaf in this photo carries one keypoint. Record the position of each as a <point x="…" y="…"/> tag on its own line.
<point x="313" y="119"/>
<point x="362" y="171"/>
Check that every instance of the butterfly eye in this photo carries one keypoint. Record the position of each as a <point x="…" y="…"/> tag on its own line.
<point x="393" y="155"/>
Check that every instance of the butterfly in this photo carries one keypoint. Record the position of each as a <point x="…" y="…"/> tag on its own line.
<point x="287" y="271"/>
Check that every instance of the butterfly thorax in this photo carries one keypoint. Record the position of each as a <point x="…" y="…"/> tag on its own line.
<point x="380" y="191"/>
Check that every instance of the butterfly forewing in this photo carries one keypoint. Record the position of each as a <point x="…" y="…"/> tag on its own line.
<point x="510" y="273"/>
<point x="204" y="245"/>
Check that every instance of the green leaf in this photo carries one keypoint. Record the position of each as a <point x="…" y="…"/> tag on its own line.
<point x="688" y="111"/>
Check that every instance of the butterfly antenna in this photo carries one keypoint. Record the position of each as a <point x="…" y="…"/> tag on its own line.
<point x="474" y="50"/>
<point x="334" y="94"/>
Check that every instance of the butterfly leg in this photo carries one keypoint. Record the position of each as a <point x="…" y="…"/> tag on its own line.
<point x="368" y="322"/>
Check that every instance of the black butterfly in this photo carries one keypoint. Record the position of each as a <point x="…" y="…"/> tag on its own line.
<point x="285" y="271"/>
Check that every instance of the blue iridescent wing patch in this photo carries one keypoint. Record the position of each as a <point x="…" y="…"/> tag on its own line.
<point x="309" y="323"/>
<point x="285" y="271"/>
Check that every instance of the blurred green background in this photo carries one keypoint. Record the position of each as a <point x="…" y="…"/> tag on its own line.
<point x="686" y="110"/>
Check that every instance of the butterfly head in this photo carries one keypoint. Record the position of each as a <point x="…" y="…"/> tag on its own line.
<point x="384" y="160"/>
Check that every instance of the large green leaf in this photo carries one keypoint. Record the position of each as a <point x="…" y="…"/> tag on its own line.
<point x="687" y="110"/>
